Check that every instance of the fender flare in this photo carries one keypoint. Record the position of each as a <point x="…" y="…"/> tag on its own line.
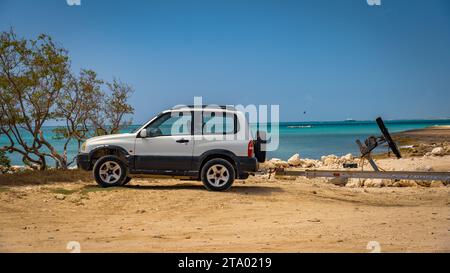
<point x="107" y="146"/>
<point x="219" y="152"/>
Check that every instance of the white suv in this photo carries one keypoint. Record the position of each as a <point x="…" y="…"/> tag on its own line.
<point x="211" y="144"/>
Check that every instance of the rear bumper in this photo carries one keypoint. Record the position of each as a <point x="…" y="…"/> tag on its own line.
<point x="247" y="165"/>
<point x="83" y="162"/>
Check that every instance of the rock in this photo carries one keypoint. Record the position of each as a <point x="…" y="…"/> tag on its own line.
<point x="348" y="158"/>
<point x="388" y="182"/>
<point x="295" y="160"/>
<point x="436" y="184"/>
<point x="438" y="151"/>
<point x="374" y="183"/>
<point x="74" y="198"/>
<point x="268" y="165"/>
<point x="421" y="168"/>
<point x="423" y="183"/>
<point x="60" y="196"/>
<point x="309" y="163"/>
<point x="339" y="181"/>
<point x="355" y="183"/>
<point x="279" y="163"/>
<point x="408" y="183"/>
<point x="329" y="160"/>
<point x="273" y="163"/>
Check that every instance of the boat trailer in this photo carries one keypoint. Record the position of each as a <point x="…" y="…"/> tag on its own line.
<point x="407" y="175"/>
<point x="366" y="149"/>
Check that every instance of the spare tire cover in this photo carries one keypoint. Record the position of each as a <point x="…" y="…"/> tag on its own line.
<point x="260" y="153"/>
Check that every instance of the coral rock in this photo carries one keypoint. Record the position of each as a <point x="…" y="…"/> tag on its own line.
<point x="295" y="160"/>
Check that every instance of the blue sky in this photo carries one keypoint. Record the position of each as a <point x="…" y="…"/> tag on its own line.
<point x="332" y="59"/>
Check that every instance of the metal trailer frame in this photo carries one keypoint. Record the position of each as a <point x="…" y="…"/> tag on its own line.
<point x="407" y="175"/>
<point x="366" y="149"/>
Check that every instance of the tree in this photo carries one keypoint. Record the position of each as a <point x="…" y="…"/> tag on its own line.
<point x="110" y="118"/>
<point x="5" y="163"/>
<point x="87" y="110"/>
<point x="79" y="99"/>
<point x="37" y="86"/>
<point x="32" y="74"/>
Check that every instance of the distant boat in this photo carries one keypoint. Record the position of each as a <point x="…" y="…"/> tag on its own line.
<point x="350" y="120"/>
<point x="300" y="126"/>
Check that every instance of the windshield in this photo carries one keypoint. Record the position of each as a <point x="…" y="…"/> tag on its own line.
<point x="140" y="126"/>
<point x="137" y="129"/>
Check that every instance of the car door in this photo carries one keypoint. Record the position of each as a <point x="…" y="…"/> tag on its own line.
<point x="168" y="146"/>
<point x="218" y="132"/>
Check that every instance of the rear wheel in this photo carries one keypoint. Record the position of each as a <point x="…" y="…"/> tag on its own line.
<point x="217" y="174"/>
<point x="110" y="171"/>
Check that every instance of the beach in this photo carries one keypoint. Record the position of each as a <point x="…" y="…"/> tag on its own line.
<point x="44" y="211"/>
<point x="254" y="216"/>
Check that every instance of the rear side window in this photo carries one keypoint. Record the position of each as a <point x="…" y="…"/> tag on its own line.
<point x="219" y="123"/>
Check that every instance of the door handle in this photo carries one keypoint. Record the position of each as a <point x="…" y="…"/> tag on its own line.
<point x="182" y="140"/>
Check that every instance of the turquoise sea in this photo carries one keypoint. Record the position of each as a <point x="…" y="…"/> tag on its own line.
<point x="309" y="139"/>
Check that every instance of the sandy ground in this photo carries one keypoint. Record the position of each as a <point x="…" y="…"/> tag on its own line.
<point x="258" y="215"/>
<point x="434" y="134"/>
<point x="43" y="212"/>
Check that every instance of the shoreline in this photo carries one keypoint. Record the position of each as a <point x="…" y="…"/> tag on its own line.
<point x="293" y="139"/>
<point x="428" y="135"/>
<point x="412" y="143"/>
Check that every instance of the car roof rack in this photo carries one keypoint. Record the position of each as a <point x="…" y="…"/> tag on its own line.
<point x="212" y="106"/>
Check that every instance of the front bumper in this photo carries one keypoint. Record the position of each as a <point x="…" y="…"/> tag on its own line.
<point x="84" y="162"/>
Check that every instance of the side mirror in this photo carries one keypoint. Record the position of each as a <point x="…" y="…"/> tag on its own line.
<point x="143" y="133"/>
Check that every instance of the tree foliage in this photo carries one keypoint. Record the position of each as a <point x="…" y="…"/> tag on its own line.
<point x="37" y="86"/>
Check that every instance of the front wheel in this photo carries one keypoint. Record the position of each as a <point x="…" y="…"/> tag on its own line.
<point x="110" y="171"/>
<point x="217" y="174"/>
<point x="127" y="179"/>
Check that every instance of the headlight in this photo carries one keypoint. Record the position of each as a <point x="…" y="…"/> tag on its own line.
<point x="83" y="147"/>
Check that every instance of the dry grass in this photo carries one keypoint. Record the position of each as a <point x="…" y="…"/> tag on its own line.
<point x="44" y="177"/>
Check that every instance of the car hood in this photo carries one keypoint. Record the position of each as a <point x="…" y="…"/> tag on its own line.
<point x="93" y="140"/>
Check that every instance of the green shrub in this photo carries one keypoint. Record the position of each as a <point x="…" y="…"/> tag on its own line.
<point x="5" y="163"/>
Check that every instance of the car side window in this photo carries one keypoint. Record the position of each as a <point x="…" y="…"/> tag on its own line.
<point x="171" y="124"/>
<point x="219" y="123"/>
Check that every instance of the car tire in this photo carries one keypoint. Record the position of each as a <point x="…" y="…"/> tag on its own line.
<point x="127" y="179"/>
<point x="217" y="174"/>
<point x="110" y="171"/>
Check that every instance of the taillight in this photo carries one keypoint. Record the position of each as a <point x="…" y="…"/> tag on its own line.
<point x="250" y="148"/>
